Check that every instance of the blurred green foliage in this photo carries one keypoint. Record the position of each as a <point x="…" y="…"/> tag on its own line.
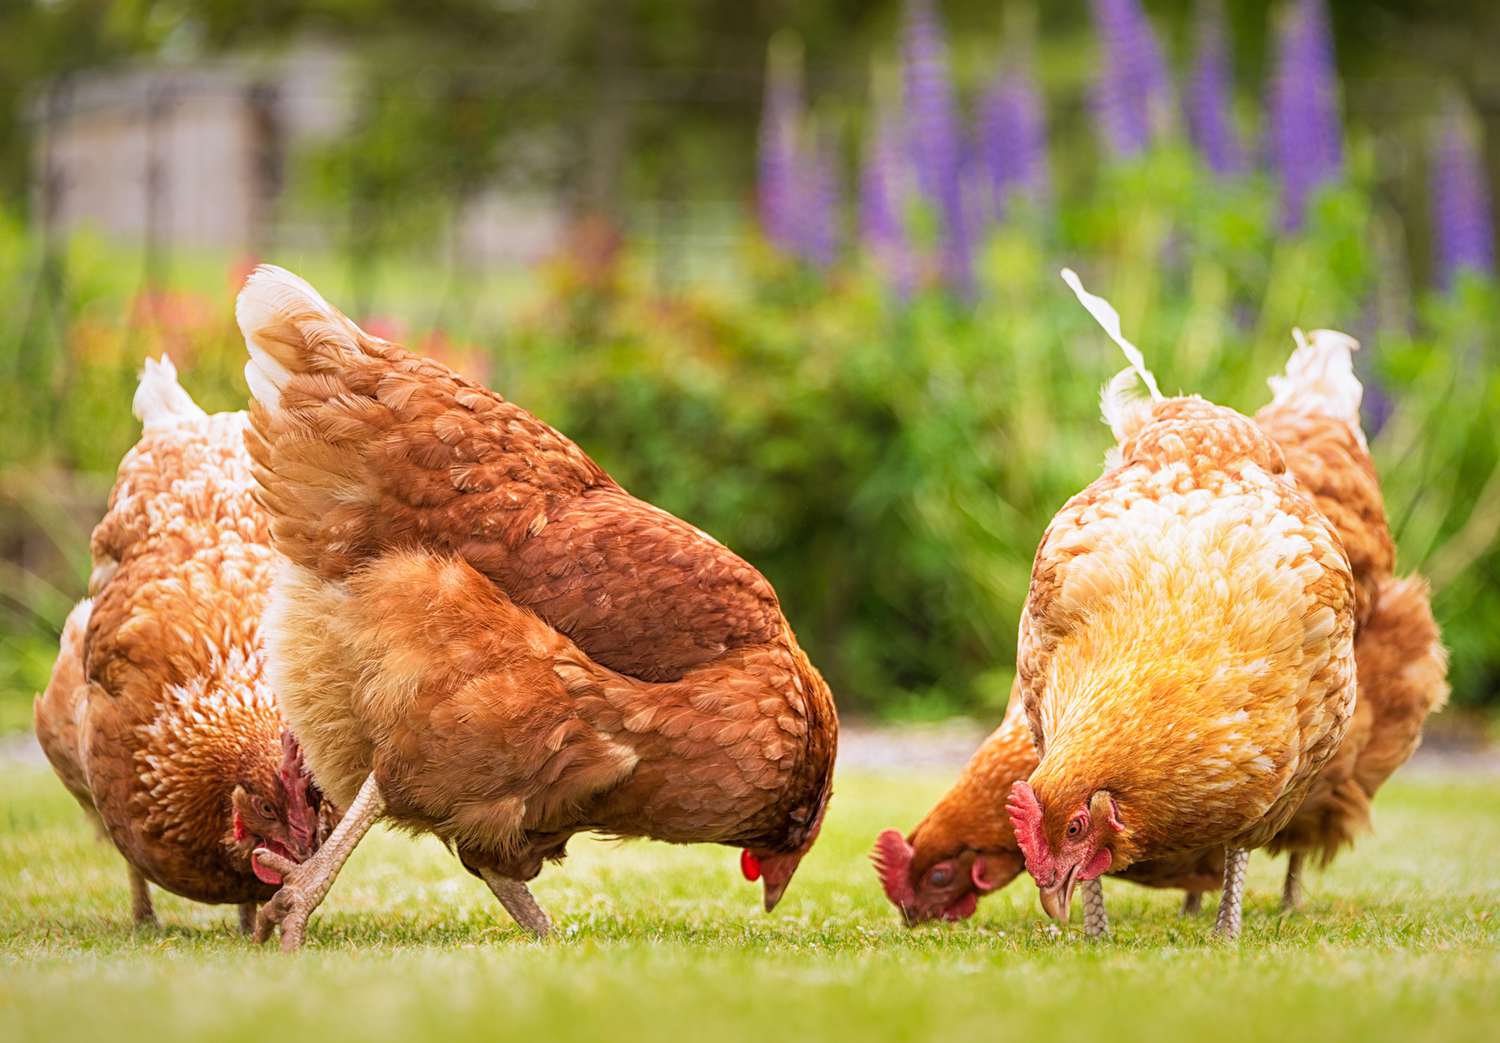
<point x="890" y="465"/>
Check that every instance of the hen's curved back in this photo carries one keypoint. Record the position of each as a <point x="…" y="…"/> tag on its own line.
<point x="361" y="447"/>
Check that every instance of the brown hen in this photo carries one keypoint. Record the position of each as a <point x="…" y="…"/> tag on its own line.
<point x="478" y="633"/>
<point x="1399" y="656"/>
<point x="159" y="717"/>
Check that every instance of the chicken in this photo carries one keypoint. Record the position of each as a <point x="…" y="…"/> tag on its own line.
<point x="158" y="717"/>
<point x="1399" y="657"/>
<point x="1186" y="655"/>
<point x="966" y="847"/>
<point x="479" y="634"/>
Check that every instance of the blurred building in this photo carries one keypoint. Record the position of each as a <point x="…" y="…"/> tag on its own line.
<point x="202" y="156"/>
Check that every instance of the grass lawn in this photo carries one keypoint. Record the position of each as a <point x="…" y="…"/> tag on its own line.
<point x="1399" y="941"/>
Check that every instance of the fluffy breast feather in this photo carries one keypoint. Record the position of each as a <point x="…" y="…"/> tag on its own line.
<point x="1188" y="626"/>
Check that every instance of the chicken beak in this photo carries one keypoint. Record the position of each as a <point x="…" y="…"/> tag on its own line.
<point x="1057" y="900"/>
<point x="774" y="891"/>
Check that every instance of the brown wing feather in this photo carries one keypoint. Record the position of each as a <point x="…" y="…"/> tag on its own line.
<point x="386" y="450"/>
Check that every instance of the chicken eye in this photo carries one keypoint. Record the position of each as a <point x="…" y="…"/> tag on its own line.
<point x="263" y="808"/>
<point x="940" y="875"/>
<point x="1076" y="827"/>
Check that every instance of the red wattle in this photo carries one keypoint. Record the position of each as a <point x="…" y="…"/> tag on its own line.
<point x="749" y="866"/>
<point x="1098" y="865"/>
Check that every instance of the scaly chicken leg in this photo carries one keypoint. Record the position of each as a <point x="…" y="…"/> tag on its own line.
<point x="1228" y="925"/>
<point x="1095" y="918"/>
<point x="247" y="918"/>
<point x="1192" y="903"/>
<point x="141" y="910"/>
<point x="518" y="901"/>
<point x="304" y="886"/>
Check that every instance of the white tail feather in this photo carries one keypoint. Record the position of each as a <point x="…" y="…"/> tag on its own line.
<point x="1125" y="411"/>
<point x="1320" y="377"/>
<point x="1105" y="315"/>
<point x="270" y="296"/>
<point x="159" y="399"/>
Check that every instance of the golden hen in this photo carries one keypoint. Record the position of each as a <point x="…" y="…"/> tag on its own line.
<point x="1185" y="652"/>
<point x="159" y="717"/>
<point x="478" y="633"/>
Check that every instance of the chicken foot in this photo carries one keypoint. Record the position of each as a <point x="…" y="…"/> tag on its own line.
<point x="1095" y="917"/>
<point x="1192" y="903"/>
<point x="141" y="911"/>
<point x="1291" y="891"/>
<point x="304" y="886"/>
<point x="1227" y="926"/>
<point x="518" y="901"/>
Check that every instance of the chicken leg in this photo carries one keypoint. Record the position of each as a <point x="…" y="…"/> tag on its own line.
<point x="517" y="899"/>
<point x="1291" y="891"/>
<point x="304" y="886"/>
<point x="1192" y="903"/>
<point x="141" y="911"/>
<point x="247" y="917"/>
<point x="1095" y="918"/>
<point x="1228" y="925"/>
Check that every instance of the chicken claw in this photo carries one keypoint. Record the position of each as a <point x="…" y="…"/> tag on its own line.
<point x="304" y="886"/>
<point x="518" y="901"/>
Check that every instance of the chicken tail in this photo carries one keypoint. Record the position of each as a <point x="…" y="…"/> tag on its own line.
<point x="1403" y="674"/>
<point x="159" y="399"/>
<point x="313" y="375"/>
<point x="1124" y="411"/>
<point x="289" y="328"/>
<point x="1320" y="378"/>
<point x="58" y="711"/>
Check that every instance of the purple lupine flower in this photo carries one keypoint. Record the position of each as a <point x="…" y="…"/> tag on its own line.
<point x="935" y="138"/>
<point x="1376" y="406"/>
<point x="1131" y="94"/>
<point x="816" y="237"/>
<point x="1460" y="202"/>
<point x="880" y="192"/>
<point x="1208" y="104"/>
<point x="1306" y="140"/>
<point x="778" y="183"/>
<point x="1012" y="140"/>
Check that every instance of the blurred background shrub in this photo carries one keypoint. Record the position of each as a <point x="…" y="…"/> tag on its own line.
<point x="796" y="279"/>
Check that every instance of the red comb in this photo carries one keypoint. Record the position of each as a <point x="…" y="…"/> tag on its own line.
<point x="1026" y="817"/>
<point x="892" y="857"/>
<point x="749" y="865"/>
<point x="301" y="792"/>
